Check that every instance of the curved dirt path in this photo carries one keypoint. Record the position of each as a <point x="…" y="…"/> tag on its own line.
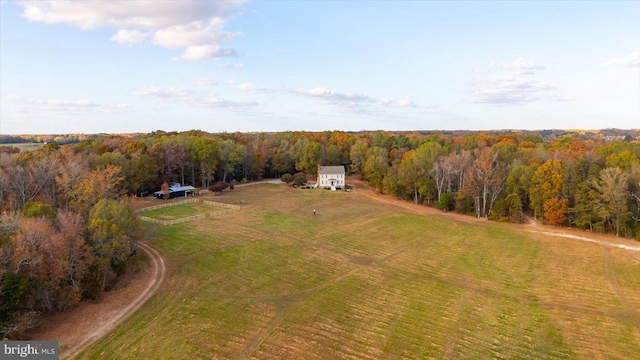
<point x="531" y="224"/>
<point x="116" y="317"/>
<point x="586" y="239"/>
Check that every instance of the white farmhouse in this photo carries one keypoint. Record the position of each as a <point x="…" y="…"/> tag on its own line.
<point x="331" y="177"/>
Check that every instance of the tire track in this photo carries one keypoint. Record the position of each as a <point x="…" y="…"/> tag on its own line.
<point x="613" y="281"/>
<point x="158" y="275"/>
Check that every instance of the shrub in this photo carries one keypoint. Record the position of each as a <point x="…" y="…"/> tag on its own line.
<point x="447" y="202"/>
<point x="287" y="178"/>
<point x="218" y="187"/>
<point x="464" y="204"/>
<point x="300" y="179"/>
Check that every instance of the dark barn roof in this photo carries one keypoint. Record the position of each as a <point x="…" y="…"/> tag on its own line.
<point x="177" y="189"/>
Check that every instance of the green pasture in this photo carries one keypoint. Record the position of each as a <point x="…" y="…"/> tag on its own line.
<point x="180" y="211"/>
<point x="367" y="280"/>
<point x="25" y="146"/>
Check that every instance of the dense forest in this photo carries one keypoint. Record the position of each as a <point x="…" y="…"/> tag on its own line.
<point x="67" y="230"/>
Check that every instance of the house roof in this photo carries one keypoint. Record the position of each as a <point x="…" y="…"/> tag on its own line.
<point x="332" y="170"/>
<point x="177" y="187"/>
<point x="182" y="188"/>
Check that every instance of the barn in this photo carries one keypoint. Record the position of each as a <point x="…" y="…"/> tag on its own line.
<point x="176" y="190"/>
<point x="332" y="177"/>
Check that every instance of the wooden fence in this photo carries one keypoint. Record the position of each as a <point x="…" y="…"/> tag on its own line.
<point x="168" y="205"/>
<point x="230" y="208"/>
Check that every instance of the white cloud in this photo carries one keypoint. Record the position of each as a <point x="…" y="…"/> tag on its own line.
<point x="193" y="25"/>
<point x="215" y="101"/>
<point x="513" y="90"/>
<point x="141" y="14"/>
<point x="227" y="65"/>
<point x="58" y="106"/>
<point x="511" y="83"/>
<point x="115" y="108"/>
<point x="154" y="92"/>
<point x="632" y="59"/>
<point x="206" y="81"/>
<point x="398" y="103"/>
<point x="521" y="66"/>
<point x="129" y="37"/>
<point x="250" y="87"/>
<point x="198" y="52"/>
<point x="332" y="97"/>
<point x="190" y="97"/>
<point x="67" y="105"/>
<point x="518" y="66"/>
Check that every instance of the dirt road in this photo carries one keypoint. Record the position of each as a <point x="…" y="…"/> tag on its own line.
<point x="158" y="271"/>
<point x="79" y="327"/>
<point x="532" y="226"/>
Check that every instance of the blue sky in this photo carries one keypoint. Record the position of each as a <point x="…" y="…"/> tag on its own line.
<point x="139" y="66"/>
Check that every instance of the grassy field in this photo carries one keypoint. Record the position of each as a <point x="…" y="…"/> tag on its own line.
<point x="25" y="146"/>
<point x="180" y="211"/>
<point x="366" y="280"/>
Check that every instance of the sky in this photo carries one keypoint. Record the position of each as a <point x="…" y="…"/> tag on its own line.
<point x="227" y="66"/>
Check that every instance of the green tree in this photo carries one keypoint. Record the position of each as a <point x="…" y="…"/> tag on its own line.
<point x="447" y="202"/>
<point x="37" y="209"/>
<point x="310" y="159"/>
<point x="333" y="155"/>
<point x="391" y="181"/>
<point x="281" y="162"/>
<point x="425" y="157"/>
<point x="112" y="232"/>
<point x="519" y="182"/>
<point x="231" y="155"/>
<point x="409" y="173"/>
<point x="206" y="150"/>
<point x="402" y="142"/>
<point x="376" y="166"/>
<point x="358" y="155"/>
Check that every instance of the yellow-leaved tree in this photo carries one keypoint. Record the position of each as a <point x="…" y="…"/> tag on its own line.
<point x="547" y="183"/>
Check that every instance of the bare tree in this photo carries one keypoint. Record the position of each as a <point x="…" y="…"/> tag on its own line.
<point x="612" y="186"/>
<point x="488" y="177"/>
<point x="442" y="173"/>
<point x="71" y="168"/>
<point x="460" y="162"/>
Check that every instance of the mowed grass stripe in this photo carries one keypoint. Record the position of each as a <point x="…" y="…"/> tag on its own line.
<point x="365" y="280"/>
<point x="401" y="317"/>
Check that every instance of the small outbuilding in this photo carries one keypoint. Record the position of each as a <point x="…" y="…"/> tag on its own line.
<point x="176" y="190"/>
<point x="332" y="177"/>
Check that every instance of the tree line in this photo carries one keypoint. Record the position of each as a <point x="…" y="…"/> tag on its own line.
<point x="574" y="180"/>
<point x="67" y="231"/>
